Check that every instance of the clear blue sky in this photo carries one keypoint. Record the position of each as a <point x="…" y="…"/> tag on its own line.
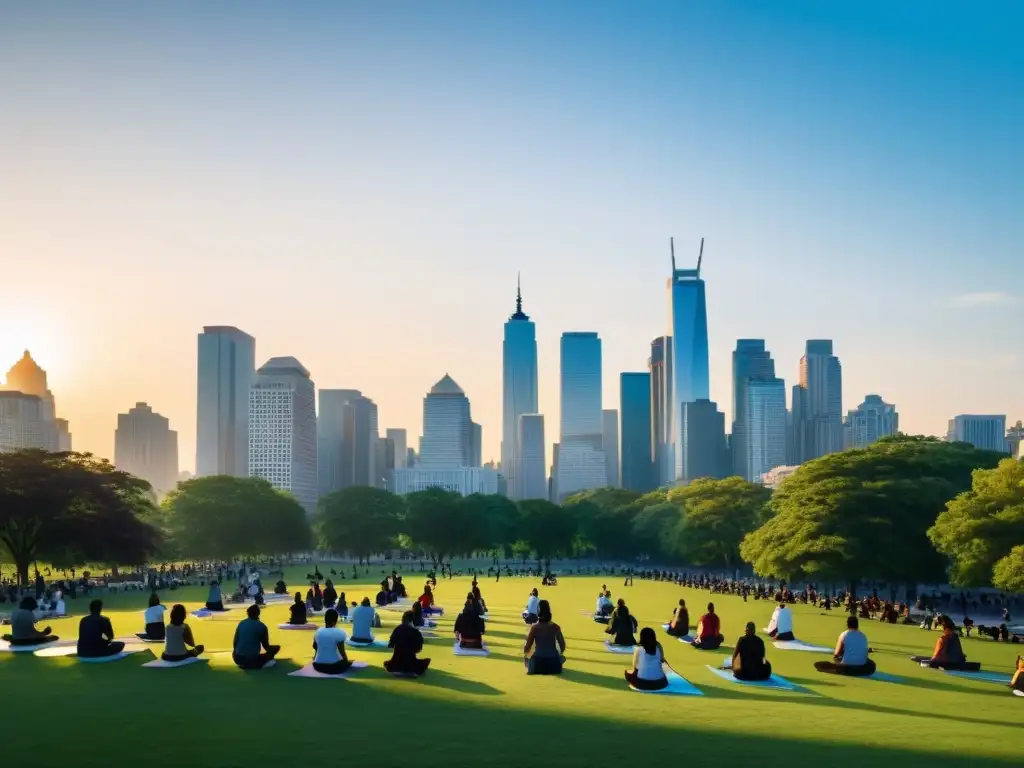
<point x="358" y="184"/>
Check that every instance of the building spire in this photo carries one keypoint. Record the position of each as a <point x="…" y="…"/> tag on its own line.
<point x="519" y="314"/>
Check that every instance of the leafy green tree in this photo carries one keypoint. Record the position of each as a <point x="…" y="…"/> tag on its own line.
<point x="72" y="508"/>
<point x="359" y="520"/>
<point x="716" y="515"/>
<point x="548" y="528"/>
<point x="654" y="528"/>
<point x="1008" y="573"/>
<point x="609" y="531"/>
<point x="980" y="527"/>
<point x="435" y="521"/>
<point x="864" y="513"/>
<point x="607" y="499"/>
<point x="491" y="519"/>
<point x="222" y="517"/>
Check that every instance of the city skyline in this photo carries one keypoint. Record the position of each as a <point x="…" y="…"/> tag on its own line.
<point x="302" y="178"/>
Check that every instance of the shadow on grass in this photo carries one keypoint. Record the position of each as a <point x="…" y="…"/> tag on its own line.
<point x="598" y="681"/>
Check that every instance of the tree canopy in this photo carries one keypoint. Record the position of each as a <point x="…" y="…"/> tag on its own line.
<point x="435" y="521"/>
<point x="359" y="520"/>
<point x="716" y="515"/>
<point x="548" y="528"/>
<point x="72" y="508"/>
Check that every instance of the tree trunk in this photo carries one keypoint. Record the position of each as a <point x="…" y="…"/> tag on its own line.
<point x="21" y="564"/>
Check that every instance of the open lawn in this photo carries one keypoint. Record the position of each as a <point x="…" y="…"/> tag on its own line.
<point x="487" y="712"/>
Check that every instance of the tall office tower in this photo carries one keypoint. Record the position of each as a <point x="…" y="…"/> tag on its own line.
<point x="519" y="389"/>
<point x="818" y="422"/>
<point x="385" y="461"/>
<point x="63" y="434"/>
<point x="147" y="447"/>
<point x="476" y="445"/>
<point x="227" y="364"/>
<point x="764" y="432"/>
<point x="580" y="455"/>
<point x="347" y="436"/>
<point x="983" y="432"/>
<point x="21" y="422"/>
<point x="636" y="391"/>
<point x="703" y="449"/>
<point x="26" y="377"/>
<point x="282" y="429"/>
<point x="447" y="427"/>
<point x="750" y="360"/>
<point x="1014" y="437"/>
<point x="412" y="458"/>
<point x="689" y="332"/>
<point x="401" y="441"/>
<point x="659" y="365"/>
<point x="532" y="452"/>
<point x="869" y="421"/>
<point x="610" y="444"/>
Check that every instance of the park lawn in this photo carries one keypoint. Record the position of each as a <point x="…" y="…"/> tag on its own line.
<point x="485" y="712"/>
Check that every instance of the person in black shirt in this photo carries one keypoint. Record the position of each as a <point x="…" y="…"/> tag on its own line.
<point x="406" y="641"/>
<point x="96" y="635"/>
<point x="748" y="662"/>
<point x="297" y="611"/>
<point x="469" y="627"/>
<point x="622" y="627"/>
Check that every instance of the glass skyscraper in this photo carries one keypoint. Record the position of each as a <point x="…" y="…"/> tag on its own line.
<point x="519" y="392"/>
<point x="580" y="458"/>
<point x="226" y="370"/>
<point x="636" y="458"/>
<point x="660" y="367"/>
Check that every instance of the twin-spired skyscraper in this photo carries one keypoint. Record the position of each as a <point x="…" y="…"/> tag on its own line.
<point x="519" y="398"/>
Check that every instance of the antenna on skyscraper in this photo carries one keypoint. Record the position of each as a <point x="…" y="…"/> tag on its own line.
<point x="672" y="247"/>
<point x="700" y="256"/>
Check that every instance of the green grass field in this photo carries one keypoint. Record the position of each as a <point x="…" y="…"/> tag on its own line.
<point x="484" y="712"/>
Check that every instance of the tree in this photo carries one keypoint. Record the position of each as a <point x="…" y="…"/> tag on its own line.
<point x="864" y="513"/>
<point x="606" y="498"/>
<point x="434" y="520"/>
<point x="72" y="508"/>
<point x="716" y="515"/>
<point x="654" y="528"/>
<point x="548" y="528"/>
<point x="980" y="527"/>
<point x="492" y="520"/>
<point x="222" y="517"/>
<point x="1008" y="573"/>
<point x="608" y="531"/>
<point x="359" y="520"/>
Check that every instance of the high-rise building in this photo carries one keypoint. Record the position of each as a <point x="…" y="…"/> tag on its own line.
<point x="869" y="421"/>
<point x="28" y="378"/>
<point x="610" y="445"/>
<point x="986" y="432"/>
<point x="1014" y="438"/>
<point x="659" y="365"/>
<point x="636" y="452"/>
<point x="400" y="439"/>
<point x="21" y="422"/>
<point x="147" y="447"/>
<point x="282" y="429"/>
<point x="476" y="445"/>
<point x="347" y="438"/>
<point x="689" y="331"/>
<point x="750" y="360"/>
<point x="519" y="389"/>
<point x="532" y="453"/>
<point x="227" y="363"/>
<point x="63" y="434"/>
<point x="764" y="430"/>
<point x="580" y="457"/>
<point x="703" y="449"/>
<point x="817" y="418"/>
<point x="384" y="462"/>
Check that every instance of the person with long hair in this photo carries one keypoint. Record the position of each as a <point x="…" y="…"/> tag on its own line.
<point x="469" y="627"/>
<point x="622" y="627"/>
<point x="546" y="641"/>
<point x="179" y="643"/>
<point x="948" y="653"/>
<point x="680" y="624"/>
<point x="153" y="618"/>
<point x="648" y="657"/>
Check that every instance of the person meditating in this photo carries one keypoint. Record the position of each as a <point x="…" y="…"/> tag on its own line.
<point x="329" y="646"/>
<point x="469" y="627"/>
<point x="251" y="648"/>
<point x="417" y="616"/>
<point x="680" y="624"/>
<point x="647" y="674"/>
<point x="532" y="607"/>
<point x="153" y="618"/>
<point x="604" y="607"/>
<point x="426" y="600"/>
<point x="781" y="626"/>
<point x="547" y="643"/>
<point x="709" y="631"/>
<point x="96" y="635"/>
<point x="748" y="661"/>
<point x="478" y="601"/>
<point x="1017" y="681"/>
<point x="851" y="654"/>
<point x="407" y="642"/>
<point x="214" y="601"/>
<point x="622" y="627"/>
<point x="362" y="622"/>
<point x="280" y="588"/>
<point x="23" y="626"/>
<point x="330" y="595"/>
<point x="297" y="611"/>
<point x="179" y="644"/>
<point x="948" y="653"/>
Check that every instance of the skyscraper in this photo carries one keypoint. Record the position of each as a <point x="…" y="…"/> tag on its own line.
<point x="636" y="456"/>
<point x="227" y="362"/>
<point x="817" y="418"/>
<point x="659" y="366"/>
<point x="28" y="378"/>
<point x="519" y="389"/>
<point x="401" y="440"/>
<point x="447" y="427"/>
<point x="580" y="458"/>
<point x="872" y="419"/>
<point x="703" y="450"/>
<point x="347" y="436"/>
<point x="1014" y="438"/>
<point x="532" y="452"/>
<point x="750" y="360"/>
<point x="282" y="429"/>
<point x="476" y="445"/>
<point x="21" y="422"/>
<point x="147" y="447"/>
<point x="689" y="331"/>
<point x="610" y="444"/>
<point x="764" y="427"/>
<point x="986" y="432"/>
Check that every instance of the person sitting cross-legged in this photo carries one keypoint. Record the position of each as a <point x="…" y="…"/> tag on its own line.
<point x="96" y="635"/>
<point x="748" y="661"/>
<point x="948" y="653"/>
<point x="153" y="618"/>
<point x="214" y="600"/>
<point x="781" y="625"/>
<point x="297" y="611"/>
<point x="532" y="606"/>
<point x="407" y="642"/>
<point x="251" y="648"/>
<point x="622" y="627"/>
<point x="329" y="646"/>
<point x="709" y="631"/>
<point x="547" y="643"/>
<point x="362" y="622"/>
<point x="23" y="626"/>
<point x="179" y="643"/>
<point x="851" y="654"/>
<point x="469" y="627"/>
<point x="1017" y="681"/>
<point x="647" y="674"/>
<point x="680" y="624"/>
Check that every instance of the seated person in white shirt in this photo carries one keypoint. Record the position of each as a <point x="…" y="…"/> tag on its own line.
<point x="605" y="606"/>
<point x="153" y="618"/>
<point x="647" y="673"/>
<point x="532" y="608"/>
<point x="851" y="654"/>
<point x="329" y="645"/>
<point x="781" y="625"/>
<point x="362" y="622"/>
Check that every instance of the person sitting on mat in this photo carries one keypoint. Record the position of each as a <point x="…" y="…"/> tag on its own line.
<point x="548" y="645"/>
<point x="426" y="600"/>
<point x="622" y="627"/>
<point x="330" y="595"/>
<point x="604" y="607"/>
<point x="851" y="655"/>
<point x="406" y="641"/>
<point x="280" y="588"/>
<point x="96" y="635"/>
<point x="709" y="631"/>
<point x="781" y="626"/>
<point x="748" y="661"/>
<point x="23" y="626"/>
<point x="417" y="616"/>
<point x="214" y="601"/>
<point x="180" y="644"/>
<point x="469" y="627"/>
<point x="680" y="624"/>
<point x="647" y="674"/>
<point x="329" y="646"/>
<point x="949" y="654"/>
<point x="315" y="599"/>
<point x="362" y="622"/>
<point x="298" y="611"/>
<point x="1017" y="681"/>
<point x="153" y="618"/>
<point x="251" y="648"/>
<point x="532" y="606"/>
<point x="342" y="606"/>
<point x="478" y="600"/>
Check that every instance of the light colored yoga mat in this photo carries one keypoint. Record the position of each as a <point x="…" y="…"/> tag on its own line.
<point x="799" y="645"/>
<point x="983" y="677"/>
<point x="460" y="651"/>
<point x="618" y="648"/>
<point x="1018" y="693"/>
<point x="71" y="649"/>
<point x="161" y="664"/>
<point x="776" y="682"/>
<point x="297" y="626"/>
<point x="8" y="648"/>
<point x="377" y="643"/>
<point x="148" y="640"/>
<point x="677" y="684"/>
<point x="308" y="671"/>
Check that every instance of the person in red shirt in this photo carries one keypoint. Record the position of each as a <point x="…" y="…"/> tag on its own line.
<point x="709" y="631"/>
<point x="427" y="598"/>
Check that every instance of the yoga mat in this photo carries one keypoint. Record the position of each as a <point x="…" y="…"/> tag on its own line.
<point x="161" y="664"/>
<point x="308" y="671"/>
<point x="103" y="659"/>
<point x="688" y="639"/>
<point x="983" y="677"/>
<point x="677" y="684"/>
<point x="460" y="651"/>
<point x="201" y="614"/>
<point x="1018" y="693"/>
<point x="618" y="648"/>
<point x="8" y="648"/>
<point x="72" y="652"/>
<point x="297" y="626"/>
<point x="799" y="645"/>
<point x="779" y="683"/>
<point x="377" y="643"/>
<point x="148" y="640"/>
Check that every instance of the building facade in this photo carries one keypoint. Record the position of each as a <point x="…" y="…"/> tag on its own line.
<point x="226" y="368"/>
<point x="659" y="366"/>
<point x="147" y="447"/>
<point x="986" y="432"/>
<point x="22" y="422"/>
<point x="764" y="433"/>
<point x="533" y="455"/>
<point x="447" y="440"/>
<point x="581" y="463"/>
<point x="703" y="450"/>
<point x="817" y="419"/>
<point x="636" y="447"/>
<point x="519" y="390"/>
<point x="1014" y="438"/>
<point x="610" y="445"/>
<point x="400" y="439"/>
<point x="28" y="378"/>
<point x="461" y="480"/>
<point x="347" y="441"/>
<point x="869" y="421"/>
<point x="750" y="361"/>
